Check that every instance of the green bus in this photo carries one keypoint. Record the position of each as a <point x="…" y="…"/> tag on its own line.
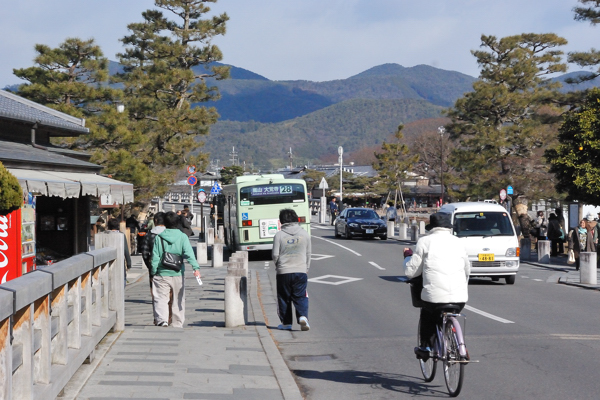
<point x="251" y="212"/>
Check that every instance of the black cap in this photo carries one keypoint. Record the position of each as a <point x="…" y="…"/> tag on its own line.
<point x="439" y="220"/>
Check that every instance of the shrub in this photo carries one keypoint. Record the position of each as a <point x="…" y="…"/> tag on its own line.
<point x="11" y="194"/>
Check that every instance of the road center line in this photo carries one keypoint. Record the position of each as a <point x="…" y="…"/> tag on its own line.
<point x="343" y="247"/>
<point x="490" y="316"/>
<point x="376" y="266"/>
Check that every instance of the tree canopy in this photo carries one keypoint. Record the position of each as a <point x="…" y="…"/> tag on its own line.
<point x="498" y="126"/>
<point x="576" y="159"/>
<point x="589" y="11"/>
<point x="229" y="173"/>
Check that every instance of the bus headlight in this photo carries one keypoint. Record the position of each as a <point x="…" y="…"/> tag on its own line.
<point x="513" y="252"/>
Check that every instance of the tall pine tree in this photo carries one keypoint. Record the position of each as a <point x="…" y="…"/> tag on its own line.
<point x="589" y="11"/>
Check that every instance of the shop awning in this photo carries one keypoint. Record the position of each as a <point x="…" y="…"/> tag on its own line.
<point x="72" y="184"/>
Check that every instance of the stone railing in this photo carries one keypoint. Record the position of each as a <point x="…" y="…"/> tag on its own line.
<point x="52" y="319"/>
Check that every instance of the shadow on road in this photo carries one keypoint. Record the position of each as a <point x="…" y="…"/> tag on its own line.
<point x="392" y="382"/>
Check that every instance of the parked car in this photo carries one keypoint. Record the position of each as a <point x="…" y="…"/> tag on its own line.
<point x="360" y="222"/>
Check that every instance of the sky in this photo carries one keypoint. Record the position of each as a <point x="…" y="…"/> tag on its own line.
<point x="317" y="40"/>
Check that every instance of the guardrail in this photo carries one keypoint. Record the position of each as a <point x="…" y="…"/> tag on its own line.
<point x="52" y="319"/>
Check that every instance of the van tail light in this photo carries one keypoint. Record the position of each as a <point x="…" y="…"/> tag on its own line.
<point x="302" y="219"/>
<point x="247" y="223"/>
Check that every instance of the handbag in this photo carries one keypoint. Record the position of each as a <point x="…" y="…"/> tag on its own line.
<point x="170" y="260"/>
<point x="571" y="259"/>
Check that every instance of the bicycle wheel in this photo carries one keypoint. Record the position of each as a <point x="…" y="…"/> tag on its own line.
<point x="428" y="366"/>
<point x="453" y="368"/>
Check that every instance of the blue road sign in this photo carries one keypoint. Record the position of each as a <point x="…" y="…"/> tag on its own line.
<point x="215" y="189"/>
<point x="245" y="216"/>
<point x="192" y="180"/>
<point x="509" y="190"/>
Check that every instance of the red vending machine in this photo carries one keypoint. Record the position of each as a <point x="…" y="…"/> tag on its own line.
<point x="17" y="241"/>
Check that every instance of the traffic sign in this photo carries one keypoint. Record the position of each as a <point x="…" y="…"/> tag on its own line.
<point x="192" y="180"/>
<point x="201" y="196"/>
<point x="509" y="190"/>
<point x="215" y="189"/>
<point x="191" y="169"/>
<point x="323" y="184"/>
<point x="502" y="194"/>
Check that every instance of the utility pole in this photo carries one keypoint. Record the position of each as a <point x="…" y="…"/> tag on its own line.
<point x="442" y="130"/>
<point x="233" y="156"/>
<point x="291" y="158"/>
<point x="340" y="153"/>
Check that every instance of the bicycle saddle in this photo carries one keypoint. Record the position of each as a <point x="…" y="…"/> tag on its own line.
<point x="450" y="307"/>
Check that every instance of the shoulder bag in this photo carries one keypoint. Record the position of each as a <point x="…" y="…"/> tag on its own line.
<point x="169" y="260"/>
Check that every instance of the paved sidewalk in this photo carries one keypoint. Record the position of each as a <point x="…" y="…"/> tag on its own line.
<point x="204" y="360"/>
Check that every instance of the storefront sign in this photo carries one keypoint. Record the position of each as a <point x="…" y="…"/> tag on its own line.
<point x="10" y="246"/>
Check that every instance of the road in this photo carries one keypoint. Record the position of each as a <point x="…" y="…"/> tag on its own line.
<point x="535" y="339"/>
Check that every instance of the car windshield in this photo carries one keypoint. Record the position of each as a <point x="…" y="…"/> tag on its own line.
<point x="362" y="214"/>
<point x="482" y="224"/>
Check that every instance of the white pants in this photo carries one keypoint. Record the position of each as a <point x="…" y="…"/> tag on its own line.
<point x="161" y="289"/>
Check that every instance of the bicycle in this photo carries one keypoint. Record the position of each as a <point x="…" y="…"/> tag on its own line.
<point x="448" y="346"/>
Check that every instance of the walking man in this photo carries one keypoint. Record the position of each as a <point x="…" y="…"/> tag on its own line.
<point x="333" y="210"/>
<point x="291" y="254"/>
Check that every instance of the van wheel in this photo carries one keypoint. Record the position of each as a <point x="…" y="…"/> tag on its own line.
<point x="337" y="234"/>
<point x="510" y="280"/>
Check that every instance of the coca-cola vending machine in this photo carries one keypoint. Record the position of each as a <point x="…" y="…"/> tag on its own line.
<point x="17" y="241"/>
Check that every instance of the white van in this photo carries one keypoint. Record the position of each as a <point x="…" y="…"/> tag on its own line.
<point x="490" y="238"/>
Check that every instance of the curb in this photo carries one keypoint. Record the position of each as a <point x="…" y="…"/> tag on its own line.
<point x="285" y="379"/>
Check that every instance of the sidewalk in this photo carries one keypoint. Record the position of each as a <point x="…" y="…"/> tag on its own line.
<point x="204" y="360"/>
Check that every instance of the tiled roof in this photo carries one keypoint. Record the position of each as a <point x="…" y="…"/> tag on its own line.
<point x="16" y="108"/>
<point x="12" y="154"/>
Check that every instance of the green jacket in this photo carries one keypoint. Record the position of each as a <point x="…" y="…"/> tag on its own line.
<point x="175" y="242"/>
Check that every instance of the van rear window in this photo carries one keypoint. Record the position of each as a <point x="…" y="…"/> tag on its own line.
<point x="482" y="224"/>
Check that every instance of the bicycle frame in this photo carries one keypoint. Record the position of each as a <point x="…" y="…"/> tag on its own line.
<point x="439" y="347"/>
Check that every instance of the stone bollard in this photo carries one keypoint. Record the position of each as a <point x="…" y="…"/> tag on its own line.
<point x="217" y="255"/>
<point x="525" y="249"/>
<point x="414" y="236"/>
<point x="210" y="236"/>
<point x="391" y="228"/>
<point x="402" y="231"/>
<point x="221" y="231"/>
<point x="544" y="251"/>
<point x="421" y="227"/>
<point x="587" y="268"/>
<point x="236" y="295"/>
<point x="202" y="253"/>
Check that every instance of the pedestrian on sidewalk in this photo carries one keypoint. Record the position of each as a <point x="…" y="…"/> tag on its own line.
<point x="184" y="224"/>
<point x="112" y="226"/>
<point x="541" y="227"/>
<point x="166" y="280"/>
<point x="291" y="254"/>
<point x="581" y="240"/>
<point x="148" y="248"/>
<point x="561" y="220"/>
<point x="391" y="213"/>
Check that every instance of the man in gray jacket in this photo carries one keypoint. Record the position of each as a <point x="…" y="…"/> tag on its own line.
<point x="291" y="254"/>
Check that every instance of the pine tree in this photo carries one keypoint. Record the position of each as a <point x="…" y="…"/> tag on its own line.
<point x="588" y="12"/>
<point x="499" y="126"/>
<point x="576" y="160"/>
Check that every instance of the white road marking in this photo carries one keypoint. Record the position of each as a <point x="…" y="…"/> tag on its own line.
<point x="337" y="244"/>
<point x="337" y="280"/>
<point x="327" y="228"/>
<point x="524" y="277"/>
<point x="537" y="280"/>
<point x="318" y="257"/>
<point x="376" y="266"/>
<point x="488" y="315"/>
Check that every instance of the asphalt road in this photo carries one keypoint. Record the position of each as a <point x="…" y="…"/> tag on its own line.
<point x="532" y="340"/>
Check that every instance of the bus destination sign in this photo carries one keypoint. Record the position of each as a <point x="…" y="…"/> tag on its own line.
<point x="272" y="190"/>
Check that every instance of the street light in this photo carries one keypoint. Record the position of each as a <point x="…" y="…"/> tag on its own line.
<point x="442" y="130"/>
<point x="340" y="153"/>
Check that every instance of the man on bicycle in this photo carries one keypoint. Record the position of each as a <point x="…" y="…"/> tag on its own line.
<point x="441" y="259"/>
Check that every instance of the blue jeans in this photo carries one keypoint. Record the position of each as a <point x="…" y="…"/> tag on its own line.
<point x="291" y="288"/>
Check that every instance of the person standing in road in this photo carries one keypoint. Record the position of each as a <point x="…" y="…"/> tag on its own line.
<point x="442" y="260"/>
<point x="333" y="210"/>
<point x="291" y="254"/>
<point x="167" y="280"/>
<point x="581" y="240"/>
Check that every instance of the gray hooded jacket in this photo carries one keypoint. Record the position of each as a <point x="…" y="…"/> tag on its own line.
<point x="291" y="249"/>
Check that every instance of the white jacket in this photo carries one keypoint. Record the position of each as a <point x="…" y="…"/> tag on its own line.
<point x="442" y="260"/>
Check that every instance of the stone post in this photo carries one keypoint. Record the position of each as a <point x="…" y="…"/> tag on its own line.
<point x="421" y="227"/>
<point x="544" y="251"/>
<point x="202" y="253"/>
<point x="402" y="231"/>
<point x="587" y="268"/>
<point x="217" y="255"/>
<point x="414" y="232"/>
<point x="390" y="228"/>
<point x="210" y="236"/>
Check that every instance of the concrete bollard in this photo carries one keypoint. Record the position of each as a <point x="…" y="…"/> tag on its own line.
<point x="587" y="268"/>
<point x="544" y="251"/>
<point x="525" y="249"/>
<point x="421" y="227"/>
<point x="221" y="231"/>
<point x="217" y="255"/>
<point x="414" y="236"/>
<point x="402" y="231"/>
<point x="391" y="229"/>
<point x="210" y="236"/>
<point x="202" y="253"/>
<point x="236" y="293"/>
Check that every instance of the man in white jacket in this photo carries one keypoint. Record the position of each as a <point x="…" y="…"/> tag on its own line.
<point x="441" y="258"/>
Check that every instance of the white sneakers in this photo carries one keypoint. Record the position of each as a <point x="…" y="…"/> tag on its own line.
<point x="282" y="327"/>
<point x="304" y="323"/>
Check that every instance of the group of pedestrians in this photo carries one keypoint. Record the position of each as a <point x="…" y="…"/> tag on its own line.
<point x="584" y="238"/>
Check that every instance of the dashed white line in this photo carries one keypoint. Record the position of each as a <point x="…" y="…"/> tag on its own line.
<point x="337" y="244"/>
<point x="488" y="315"/>
<point x="376" y="266"/>
<point x="537" y="280"/>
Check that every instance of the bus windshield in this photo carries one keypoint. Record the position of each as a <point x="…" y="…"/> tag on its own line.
<point x="482" y="224"/>
<point x="272" y="194"/>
